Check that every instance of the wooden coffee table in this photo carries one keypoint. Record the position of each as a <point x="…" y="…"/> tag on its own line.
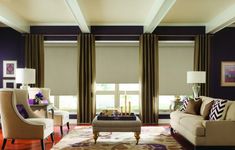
<point x="116" y="126"/>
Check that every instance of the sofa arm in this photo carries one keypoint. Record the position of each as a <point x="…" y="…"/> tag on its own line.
<point x="221" y="128"/>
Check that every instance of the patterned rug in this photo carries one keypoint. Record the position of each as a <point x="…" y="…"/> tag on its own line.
<point x="151" y="138"/>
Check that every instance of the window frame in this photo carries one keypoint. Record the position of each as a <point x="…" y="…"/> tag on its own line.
<point x="117" y="93"/>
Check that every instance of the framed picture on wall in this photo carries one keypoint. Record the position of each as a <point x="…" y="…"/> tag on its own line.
<point x="9" y="68"/>
<point x="228" y="73"/>
<point x="8" y="83"/>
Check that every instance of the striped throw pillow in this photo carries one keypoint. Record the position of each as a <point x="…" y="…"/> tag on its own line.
<point x="185" y="103"/>
<point x="217" y="109"/>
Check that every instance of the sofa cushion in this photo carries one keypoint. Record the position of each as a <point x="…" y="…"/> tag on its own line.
<point x="230" y="112"/>
<point x="177" y="115"/>
<point x="217" y="109"/>
<point x="193" y="124"/>
<point x="193" y="107"/>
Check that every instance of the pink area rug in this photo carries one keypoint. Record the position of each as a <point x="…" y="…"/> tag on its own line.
<point x="151" y="138"/>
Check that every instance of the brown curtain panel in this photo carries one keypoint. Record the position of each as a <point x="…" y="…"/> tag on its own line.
<point x="149" y="83"/>
<point x="86" y="78"/>
<point x="34" y="56"/>
<point x="202" y="52"/>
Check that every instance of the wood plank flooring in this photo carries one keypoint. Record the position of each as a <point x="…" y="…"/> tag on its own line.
<point x="34" y="144"/>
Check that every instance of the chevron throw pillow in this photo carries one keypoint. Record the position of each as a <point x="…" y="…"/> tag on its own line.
<point x="217" y="109"/>
<point x="185" y="103"/>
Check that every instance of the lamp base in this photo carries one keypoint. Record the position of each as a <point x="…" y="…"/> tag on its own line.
<point x="196" y="89"/>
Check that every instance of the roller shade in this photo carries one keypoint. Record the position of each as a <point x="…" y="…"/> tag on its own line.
<point x="117" y="62"/>
<point x="61" y="68"/>
<point x="175" y="59"/>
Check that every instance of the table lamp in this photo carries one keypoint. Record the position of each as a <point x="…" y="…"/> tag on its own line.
<point x="195" y="78"/>
<point x="25" y="76"/>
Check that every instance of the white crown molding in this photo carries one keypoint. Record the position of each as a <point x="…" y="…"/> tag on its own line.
<point x="13" y="20"/>
<point x="78" y="15"/>
<point x="222" y="20"/>
<point x="157" y="13"/>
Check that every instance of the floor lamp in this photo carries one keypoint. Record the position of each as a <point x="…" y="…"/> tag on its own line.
<point x="195" y="78"/>
<point x="25" y="76"/>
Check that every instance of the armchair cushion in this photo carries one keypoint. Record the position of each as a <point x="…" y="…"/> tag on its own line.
<point x="22" y="111"/>
<point x="47" y="123"/>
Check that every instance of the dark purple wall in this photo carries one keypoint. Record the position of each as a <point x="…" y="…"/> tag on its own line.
<point x="11" y="48"/>
<point x="223" y="49"/>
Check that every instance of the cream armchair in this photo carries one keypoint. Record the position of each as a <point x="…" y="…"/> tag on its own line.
<point x="14" y="126"/>
<point x="61" y="117"/>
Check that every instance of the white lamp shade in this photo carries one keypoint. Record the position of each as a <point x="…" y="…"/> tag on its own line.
<point x="196" y="77"/>
<point x="25" y="75"/>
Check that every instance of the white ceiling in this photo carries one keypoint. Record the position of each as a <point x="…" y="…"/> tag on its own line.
<point x="214" y="14"/>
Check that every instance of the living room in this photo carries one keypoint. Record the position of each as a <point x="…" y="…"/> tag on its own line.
<point x="179" y="27"/>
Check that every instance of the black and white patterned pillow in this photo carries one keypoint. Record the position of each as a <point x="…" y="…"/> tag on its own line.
<point x="217" y="109"/>
<point x="185" y="103"/>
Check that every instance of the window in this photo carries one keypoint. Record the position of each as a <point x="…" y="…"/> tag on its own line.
<point x="165" y="102"/>
<point x="117" y="74"/>
<point x="105" y="87"/>
<point x="175" y="59"/>
<point x="113" y="96"/>
<point x="105" y="101"/>
<point x="68" y="102"/>
<point x="63" y="85"/>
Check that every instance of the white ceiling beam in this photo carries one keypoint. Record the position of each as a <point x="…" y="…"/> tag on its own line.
<point x="13" y="20"/>
<point x="78" y="15"/>
<point x="222" y="20"/>
<point x="157" y="13"/>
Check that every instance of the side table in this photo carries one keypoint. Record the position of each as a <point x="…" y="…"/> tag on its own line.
<point x="45" y="107"/>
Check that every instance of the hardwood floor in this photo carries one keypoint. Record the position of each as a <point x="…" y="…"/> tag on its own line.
<point x="34" y="144"/>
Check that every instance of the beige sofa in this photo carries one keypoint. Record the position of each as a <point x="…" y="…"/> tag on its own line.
<point x="205" y="132"/>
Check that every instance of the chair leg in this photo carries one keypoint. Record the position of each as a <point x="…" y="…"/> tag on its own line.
<point x="61" y="130"/>
<point x="13" y="141"/>
<point x="4" y="143"/>
<point x="42" y="144"/>
<point x="68" y="125"/>
<point x="52" y="137"/>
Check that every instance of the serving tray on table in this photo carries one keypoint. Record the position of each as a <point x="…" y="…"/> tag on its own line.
<point x="132" y="116"/>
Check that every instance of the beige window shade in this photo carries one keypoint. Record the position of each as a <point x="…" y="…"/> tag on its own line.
<point x="117" y="62"/>
<point x="61" y="68"/>
<point x="175" y="59"/>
